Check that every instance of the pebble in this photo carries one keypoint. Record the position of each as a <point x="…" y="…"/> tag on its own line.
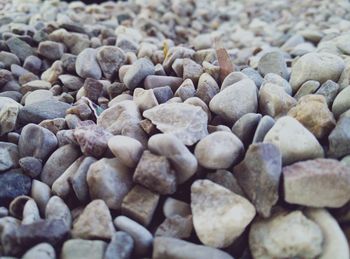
<point x="173" y="207"/>
<point x="110" y="59"/>
<point x="309" y="87"/>
<point x="31" y="166"/>
<point x="86" y="64"/>
<point x="264" y="125"/>
<point x="145" y="99"/>
<point x="176" y="227"/>
<point x="51" y="50"/>
<point x="207" y="88"/>
<point x="341" y="102"/>
<point x="8" y="59"/>
<point x="273" y="62"/>
<point x="329" y="90"/>
<point x="233" y="78"/>
<point x="8" y="156"/>
<point x="226" y="179"/>
<point x="71" y="82"/>
<point x="339" y="138"/>
<point x="56" y="208"/>
<point x="35" y="85"/>
<point x="83" y="249"/>
<point x="155" y="81"/>
<point x="163" y="94"/>
<point x="277" y="80"/>
<point x="120" y="247"/>
<point x="38" y="96"/>
<point x="139" y="70"/>
<point x="32" y="64"/>
<point x="254" y="75"/>
<point x="186" y="90"/>
<point x="219" y="215"/>
<point x="304" y="145"/>
<point x="20" y="48"/>
<point x="41" y="193"/>
<point x="9" y="110"/>
<point x="245" y="127"/>
<point x="40" y="251"/>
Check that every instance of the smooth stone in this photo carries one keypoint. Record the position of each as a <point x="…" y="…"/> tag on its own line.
<point x="245" y="127"/>
<point x="31" y="166"/>
<point x="9" y="111"/>
<point x="186" y="90"/>
<point x="40" y="251"/>
<point x="273" y="62"/>
<point x="9" y="245"/>
<point x="154" y="81"/>
<point x="54" y="125"/>
<point x="264" y="125"/>
<point x="219" y="215"/>
<point x="20" y="48"/>
<point x="233" y="78"/>
<point x="339" y="138"/>
<point x="309" y="87"/>
<point x="145" y="99"/>
<point x="41" y="193"/>
<point x="138" y="71"/>
<point x="51" y="50"/>
<point x="30" y="212"/>
<point x="191" y="70"/>
<point x="109" y="180"/>
<point x="140" y="205"/>
<point x="6" y="78"/>
<point x="155" y="173"/>
<point x="277" y="80"/>
<point x="68" y="62"/>
<point x="173" y="207"/>
<point x="293" y="140"/>
<point x="37" y="112"/>
<point x="329" y="90"/>
<point x="226" y="179"/>
<point x="235" y="100"/>
<point x="143" y="239"/>
<point x="38" y="96"/>
<point x="95" y="222"/>
<point x="32" y="64"/>
<point x="316" y="66"/>
<point x="327" y="181"/>
<point x="58" y="162"/>
<point x="253" y="75"/>
<point x="341" y="102"/>
<point x="259" y="176"/>
<point x="163" y="93"/>
<point x="312" y="111"/>
<point x="210" y="153"/>
<point x="52" y="73"/>
<point x="285" y="235"/>
<point x="176" y="227"/>
<point x="56" y="208"/>
<point x="207" y="88"/>
<point x="8" y="59"/>
<point x="35" y="85"/>
<point x="14" y="95"/>
<point x="83" y="249"/>
<point x="8" y="156"/>
<point x="187" y="122"/>
<point x="92" y="89"/>
<point x="110" y="58"/>
<point x="120" y="247"/>
<point x="183" y="161"/>
<point x="70" y="81"/>
<point x="86" y="64"/>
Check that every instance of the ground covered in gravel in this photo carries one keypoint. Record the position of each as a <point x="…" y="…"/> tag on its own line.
<point x="175" y="129"/>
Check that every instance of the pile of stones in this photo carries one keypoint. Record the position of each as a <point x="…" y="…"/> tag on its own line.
<point x="174" y="129"/>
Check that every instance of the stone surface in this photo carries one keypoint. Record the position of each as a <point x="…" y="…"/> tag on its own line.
<point x="83" y="249"/>
<point x="339" y="138"/>
<point x="120" y="247"/>
<point x="20" y="48"/>
<point x="139" y="70"/>
<point x="8" y="156"/>
<point x="277" y="80"/>
<point x="145" y="99"/>
<point x="245" y="127"/>
<point x="176" y="227"/>
<point x="86" y="64"/>
<point x="207" y="88"/>
<point x="51" y="50"/>
<point x="9" y="110"/>
<point x="264" y="125"/>
<point x="341" y="102"/>
<point x="57" y="209"/>
<point x="273" y="62"/>
<point x="309" y="87"/>
<point x="317" y="183"/>
<point x="226" y="179"/>
<point x="110" y="59"/>
<point x="219" y="215"/>
<point x="40" y="251"/>
<point x="31" y="166"/>
<point x="329" y="90"/>
<point x="172" y="207"/>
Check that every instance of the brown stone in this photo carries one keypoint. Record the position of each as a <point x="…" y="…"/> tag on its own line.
<point x="176" y="226"/>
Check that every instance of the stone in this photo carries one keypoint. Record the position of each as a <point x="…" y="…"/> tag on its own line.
<point x="277" y="80"/>
<point x="312" y="111"/>
<point x="109" y="180"/>
<point x="139" y="70"/>
<point x="264" y="125"/>
<point x="57" y="209"/>
<point x="8" y="59"/>
<point x="51" y="50"/>
<point x="226" y="179"/>
<point x="68" y="62"/>
<point x="155" y="81"/>
<point x="341" y="102"/>
<point x="37" y="112"/>
<point x="86" y="64"/>
<point x="285" y="235"/>
<point x="8" y="156"/>
<point x="40" y="251"/>
<point x="210" y="153"/>
<point x="38" y="96"/>
<point x="93" y="89"/>
<point x="186" y="90"/>
<point x="9" y="245"/>
<point x="13" y="183"/>
<point x="145" y="99"/>
<point x="71" y="82"/>
<point x="259" y="176"/>
<point x="95" y="222"/>
<point x="184" y="162"/>
<point x="309" y="87"/>
<point x="143" y="239"/>
<point x="254" y="75"/>
<point x="339" y="138"/>
<point x="54" y="125"/>
<point x="273" y="62"/>
<point x="168" y="247"/>
<point x="9" y="110"/>
<point x="110" y="58"/>
<point x="187" y="122"/>
<point x="207" y="88"/>
<point x="37" y="142"/>
<point x="20" y="48"/>
<point x="5" y="78"/>
<point x="329" y="90"/>
<point x="244" y="128"/>
<point x="316" y="66"/>
<point x="293" y="140"/>
<point x="191" y="70"/>
<point x="35" y="85"/>
<point x="120" y="247"/>
<point x="173" y="207"/>
<point x="52" y="73"/>
<point x="176" y="227"/>
<point x="327" y="182"/>
<point x="140" y="204"/>
<point x="163" y="93"/>
<point x="219" y="215"/>
<point x="126" y="149"/>
<point x="58" y="162"/>
<point x="41" y="193"/>
<point x="233" y="78"/>
<point x="83" y="249"/>
<point x="32" y="64"/>
<point x="274" y="101"/>
<point x="31" y="166"/>
<point x="235" y="100"/>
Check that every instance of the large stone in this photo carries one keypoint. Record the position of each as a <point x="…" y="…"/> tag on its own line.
<point x="110" y="58"/>
<point x="245" y="127"/>
<point x="40" y="251"/>
<point x="138" y="71"/>
<point x="293" y="140"/>
<point x="317" y="183"/>
<point x="175" y="226"/>
<point x="86" y="64"/>
<point x="8" y="156"/>
<point x="9" y="110"/>
<point x="259" y="176"/>
<point x="187" y="122"/>
<point x="83" y="249"/>
<point x="341" y="102"/>
<point x="20" y="48"/>
<point x="339" y="138"/>
<point x="273" y="62"/>
<point x="219" y="215"/>
<point x="120" y="247"/>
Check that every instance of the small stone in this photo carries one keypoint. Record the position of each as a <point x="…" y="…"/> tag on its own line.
<point x="191" y="70"/>
<point x="32" y="64"/>
<point x="83" y="249"/>
<point x="120" y="247"/>
<point x="86" y="64"/>
<point x="8" y="156"/>
<point x="68" y="62"/>
<point x="110" y="58"/>
<point x="54" y="125"/>
<point x="126" y="149"/>
<point x="154" y="81"/>
<point x="142" y="237"/>
<point x="41" y="193"/>
<point x="309" y="87"/>
<point x="264" y="125"/>
<point x="219" y="215"/>
<point x="293" y="140"/>
<point x="316" y="66"/>
<point x="109" y="180"/>
<point x="186" y="90"/>
<point x="329" y="90"/>
<point x="9" y="110"/>
<point x="40" y="251"/>
<point x="52" y="73"/>
<point x="145" y="99"/>
<point x="210" y="152"/>
<point x="8" y="59"/>
<point x="163" y="93"/>
<point x="95" y="222"/>
<point x="139" y="70"/>
<point x="35" y="85"/>
<point x="339" y="138"/>
<point x="140" y="204"/>
<point x="277" y="80"/>
<point x="38" y="96"/>
<point x="233" y="78"/>
<point x="327" y="182"/>
<point x="244" y="128"/>
<point x="71" y="82"/>
<point x="312" y="111"/>
<point x="226" y="179"/>
<point x="285" y="235"/>
<point x="341" y="102"/>
<point x="235" y="100"/>
<point x="207" y="88"/>
<point x="57" y="209"/>
<point x="273" y="62"/>
<point x="187" y="122"/>
<point x="5" y="77"/>
<point x="31" y="166"/>
<point x="176" y="227"/>
<point x="93" y="89"/>
<point x="254" y="75"/>
<point x="51" y="50"/>
<point x="20" y="48"/>
<point x="259" y="176"/>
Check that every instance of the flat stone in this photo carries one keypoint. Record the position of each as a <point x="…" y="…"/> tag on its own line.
<point x="120" y="247"/>
<point x="70" y="81"/>
<point x="187" y="122"/>
<point x="110" y="58"/>
<point x="40" y="251"/>
<point x="20" y="48"/>
<point x="309" y="87"/>
<point x="210" y="152"/>
<point x="273" y="62"/>
<point x="339" y="138"/>
<point x="341" y="102"/>
<point x="83" y="249"/>
<point x="9" y="110"/>
<point x="86" y="64"/>
<point x="329" y="90"/>
<point x="327" y="182"/>
<point x="95" y="222"/>
<point x="176" y="227"/>
<point x="139" y="70"/>
<point x="140" y="204"/>
<point x="259" y="176"/>
<point x="38" y="96"/>
<point x="244" y="128"/>
<point x="293" y="140"/>
<point x="155" y="173"/>
<point x="109" y="180"/>
<point x="31" y="166"/>
<point x="8" y="156"/>
<point x="51" y="50"/>
<point x="235" y="100"/>
<point x="219" y="215"/>
<point x="155" y="81"/>
<point x="285" y="235"/>
<point x="35" y="85"/>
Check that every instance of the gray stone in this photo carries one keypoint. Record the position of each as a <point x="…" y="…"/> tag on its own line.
<point x="309" y="87"/>
<point x="175" y="226"/>
<point x="9" y="110"/>
<point x="40" y="251"/>
<point x="273" y="62"/>
<point x="207" y="88"/>
<point x="83" y="249"/>
<point x="186" y="90"/>
<point x="8" y="59"/>
<point x="20" y="48"/>
<point x="245" y="127"/>
<point x="253" y="75"/>
<point x="139" y="70"/>
<point x="51" y="50"/>
<point x="120" y="247"/>
<point x="86" y="64"/>
<point x="110" y="58"/>
<point x="57" y="209"/>
<point x="264" y="125"/>
<point x="70" y="81"/>
<point x="172" y="207"/>
<point x="277" y="80"/>
<point x="31" y="166"/>
<point x="329" y="90"/>
<point x="341" y="102"/>
<point x="339" y="138"/>
<point x="32" y="64"/>
<point x="8" y="156"/>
